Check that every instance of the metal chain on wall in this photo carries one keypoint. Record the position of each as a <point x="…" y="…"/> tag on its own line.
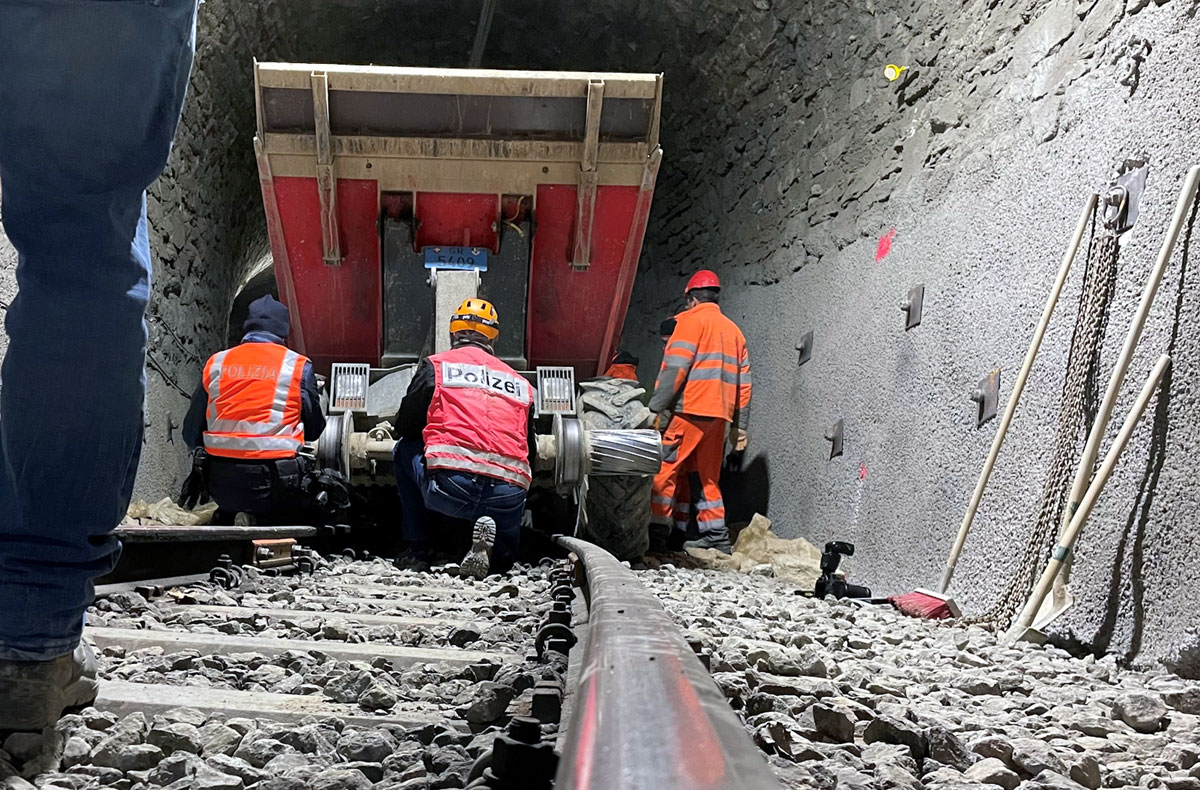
<point x="1075" y="416"/>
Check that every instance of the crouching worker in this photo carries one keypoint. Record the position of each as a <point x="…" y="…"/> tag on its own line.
<point x="467" y="444"/>
<point x="624" y="366"/>
<point x="256" y="405"/>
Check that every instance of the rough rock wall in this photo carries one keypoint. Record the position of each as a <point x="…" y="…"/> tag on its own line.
<point x="201" y="231"/>
<point x="979" y="159"/>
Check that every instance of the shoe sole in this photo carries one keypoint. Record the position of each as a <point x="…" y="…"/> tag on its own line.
<point x="483" y="537"/>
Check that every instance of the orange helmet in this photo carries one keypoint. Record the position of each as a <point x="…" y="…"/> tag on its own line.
<point x="705" y="278"/>
<point x="476" y="315"/>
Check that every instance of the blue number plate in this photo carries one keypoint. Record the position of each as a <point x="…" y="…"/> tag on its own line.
<point x="456" y="258"/>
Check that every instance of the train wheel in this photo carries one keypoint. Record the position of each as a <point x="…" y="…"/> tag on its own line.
<point x="615" y="511"/>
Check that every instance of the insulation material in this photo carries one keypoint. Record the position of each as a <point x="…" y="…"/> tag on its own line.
<point x="167" y="513"/>
<point x="795" y="560"/>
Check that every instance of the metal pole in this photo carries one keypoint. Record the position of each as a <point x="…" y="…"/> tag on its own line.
<point x="1067" y="540"/>
<point x="1019" y="387"/>
<point x="481" y="33"/>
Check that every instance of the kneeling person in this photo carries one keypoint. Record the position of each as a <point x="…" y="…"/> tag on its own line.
<point x="466" y="444"/>
<point x="256" y="405"/>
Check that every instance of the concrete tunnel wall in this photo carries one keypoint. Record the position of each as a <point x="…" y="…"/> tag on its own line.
<point x="788" y="156"/>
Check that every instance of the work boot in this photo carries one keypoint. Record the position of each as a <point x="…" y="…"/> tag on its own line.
<point x="478" y="559"/>
<point x="415" y="557"/>
<point x="720" y="543"/>
<point x="34" y="694"/>
<point x="659" y="539"/>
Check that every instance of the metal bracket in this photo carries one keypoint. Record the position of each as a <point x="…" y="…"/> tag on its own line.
<point x="1122" y="198"/>
<point x="585" y="203"/>
<point x="987" y="396"/>
<point x="835" y="438"/>
<point x="804" y="347"/>
<point x="273" y="553"/>
<point x="450" y="288"/>
<point x="326" y="180"/>
<point x="912" y="306"/>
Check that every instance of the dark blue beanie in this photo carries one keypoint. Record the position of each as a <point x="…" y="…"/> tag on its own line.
<point x="267" y="315"/>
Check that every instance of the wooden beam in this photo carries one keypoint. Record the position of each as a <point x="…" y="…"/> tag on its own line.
<point x="326" y="178"/>
<point x="332" y="617"/>
<point x="223" y="644"/>
<point x="120" y="697"/>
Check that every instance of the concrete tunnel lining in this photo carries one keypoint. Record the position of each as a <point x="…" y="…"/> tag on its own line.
<point x="787" y="157"/>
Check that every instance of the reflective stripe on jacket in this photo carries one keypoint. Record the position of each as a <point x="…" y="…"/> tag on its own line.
<point x="706" y="368"/>
<point x="254" y="402"/>
<point x="478" y="417"/>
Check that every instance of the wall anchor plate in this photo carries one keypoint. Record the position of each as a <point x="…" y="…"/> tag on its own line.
<point x="834" y="437"/>
<point x="1123" y="195"/>
<point x="913" y="306"/>
<point x="987" y="397"/>
<point x="804" y="347"/>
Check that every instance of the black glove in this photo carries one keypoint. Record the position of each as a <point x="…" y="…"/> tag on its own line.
<point x="195" y="486"/>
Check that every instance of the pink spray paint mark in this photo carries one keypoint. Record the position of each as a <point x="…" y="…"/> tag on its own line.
<point x="885" y="245"/>
<point x="862" y="471"/>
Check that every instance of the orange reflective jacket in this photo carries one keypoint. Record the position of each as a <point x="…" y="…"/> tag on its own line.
<point x="706" y="369"/>
<point x="254" y="402"/>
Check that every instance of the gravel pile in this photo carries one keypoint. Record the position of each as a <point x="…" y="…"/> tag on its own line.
<point x="191" y="750"/>
<point x="842" y="696"/>
<point x="207" y="750"/>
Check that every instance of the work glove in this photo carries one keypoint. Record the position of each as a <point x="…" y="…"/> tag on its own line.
<point x="661" y="421"/>
<point x="194" y="491"/>
<point x="738" y="440"/>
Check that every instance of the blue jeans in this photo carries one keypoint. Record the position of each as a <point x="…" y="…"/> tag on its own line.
<point x="459" y="495"/>
<point x="90" y="95"/>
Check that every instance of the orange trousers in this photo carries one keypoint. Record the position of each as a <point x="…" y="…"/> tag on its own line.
<point x="691" y="444"/>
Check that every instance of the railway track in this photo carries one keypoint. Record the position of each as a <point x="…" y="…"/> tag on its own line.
<point x="357" y="674"/>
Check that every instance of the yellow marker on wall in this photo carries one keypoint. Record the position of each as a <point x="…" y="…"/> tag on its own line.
<point x="892" y="72"/>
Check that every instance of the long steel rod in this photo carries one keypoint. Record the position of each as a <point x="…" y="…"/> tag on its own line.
<point x="646" y="712"/>
<point x="486" y="12"/>
<point x="1018" y="387"/>
<point x="1067" y="540"/>
<point x="208" y="533"/>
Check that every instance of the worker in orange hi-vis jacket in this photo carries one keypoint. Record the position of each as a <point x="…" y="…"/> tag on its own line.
<point x="703" y="397"/>
<point x="624" y="366"/>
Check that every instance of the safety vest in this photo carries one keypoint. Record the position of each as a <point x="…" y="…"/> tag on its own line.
<point x="254" y="402"/>
<point x="706" y="368"/>
<point x="479" y="416"/>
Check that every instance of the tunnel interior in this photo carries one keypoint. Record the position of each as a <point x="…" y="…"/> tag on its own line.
<point x="822" y="192"/>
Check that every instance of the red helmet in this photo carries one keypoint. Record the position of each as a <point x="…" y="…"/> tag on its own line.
<point x="705" y="278"/>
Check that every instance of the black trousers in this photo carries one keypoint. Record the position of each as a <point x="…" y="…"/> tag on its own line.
<point x="268" y="490"/>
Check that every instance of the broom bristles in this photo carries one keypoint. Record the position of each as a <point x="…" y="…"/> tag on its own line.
<point x="926" y="604"/>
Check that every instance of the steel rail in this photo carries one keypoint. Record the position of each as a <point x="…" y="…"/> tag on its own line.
<point x="647" y="714"/>
<point x="207" y="533"/>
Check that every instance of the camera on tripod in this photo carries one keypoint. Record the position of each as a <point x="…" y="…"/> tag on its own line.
<point x="832" y="584"/>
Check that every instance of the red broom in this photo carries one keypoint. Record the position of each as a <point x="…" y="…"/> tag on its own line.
<point x="926" y="604"/>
